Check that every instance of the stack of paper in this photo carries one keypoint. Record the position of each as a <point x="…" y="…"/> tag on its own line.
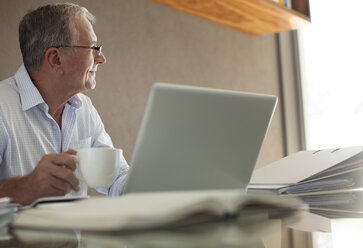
<point x="330" y="181"/>
<point x="7" y="211"/>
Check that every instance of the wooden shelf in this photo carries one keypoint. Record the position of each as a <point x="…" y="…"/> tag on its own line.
<point x="254" y="17"/>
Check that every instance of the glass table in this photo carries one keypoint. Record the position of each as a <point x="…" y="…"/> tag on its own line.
<point x="258" y="228"/>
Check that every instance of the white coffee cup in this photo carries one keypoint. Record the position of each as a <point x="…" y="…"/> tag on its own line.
<point x="98" y="167"/>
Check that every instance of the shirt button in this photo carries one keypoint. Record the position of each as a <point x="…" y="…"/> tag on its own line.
<point x="55" y="127"/>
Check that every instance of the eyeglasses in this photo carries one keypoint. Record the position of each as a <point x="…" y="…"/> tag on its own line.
<point x="95" y="48"/>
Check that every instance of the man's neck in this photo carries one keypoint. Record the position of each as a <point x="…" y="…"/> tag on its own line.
<point x="55" y="97"/>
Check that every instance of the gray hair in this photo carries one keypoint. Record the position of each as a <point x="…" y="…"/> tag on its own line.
<point x="48" y="26"/>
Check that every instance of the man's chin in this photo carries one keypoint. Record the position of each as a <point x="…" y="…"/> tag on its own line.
<point x="90" y="85"/>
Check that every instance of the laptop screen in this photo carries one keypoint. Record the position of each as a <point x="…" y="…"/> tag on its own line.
<point x="194" y="138"/>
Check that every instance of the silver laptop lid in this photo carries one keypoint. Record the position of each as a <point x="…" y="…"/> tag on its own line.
<point x="194" y="138"/>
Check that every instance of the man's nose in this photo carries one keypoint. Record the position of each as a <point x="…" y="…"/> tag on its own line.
<point x="101" y="59"/>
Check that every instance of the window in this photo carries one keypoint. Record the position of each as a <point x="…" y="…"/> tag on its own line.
<point x="333" y="60"/>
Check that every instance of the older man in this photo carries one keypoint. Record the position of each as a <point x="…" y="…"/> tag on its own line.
<point x="43" y="115"/>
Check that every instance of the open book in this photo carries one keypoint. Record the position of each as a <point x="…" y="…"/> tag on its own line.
<point x="148" y="210"/>
<point x="330" y="181"/>
<point x="310" y="171"/>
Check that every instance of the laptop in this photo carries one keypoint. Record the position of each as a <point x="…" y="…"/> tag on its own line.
<point x="194" y="138"/>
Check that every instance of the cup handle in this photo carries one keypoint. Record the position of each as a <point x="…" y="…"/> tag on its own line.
<point x="78" y="175"/>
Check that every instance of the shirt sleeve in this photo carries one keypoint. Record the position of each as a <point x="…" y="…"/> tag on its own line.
<point x="102" y="139"/>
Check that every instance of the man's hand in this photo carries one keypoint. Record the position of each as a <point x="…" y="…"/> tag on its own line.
<point x="53" y="176"/>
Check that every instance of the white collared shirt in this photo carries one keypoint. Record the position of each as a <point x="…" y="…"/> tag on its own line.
<point x="28" y="132"/>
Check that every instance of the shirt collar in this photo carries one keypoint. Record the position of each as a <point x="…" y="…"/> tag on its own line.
<point x="75" y="102"/>
<point x="29" y="94"/>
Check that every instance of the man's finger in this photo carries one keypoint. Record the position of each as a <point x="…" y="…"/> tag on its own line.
<point x="63" y="159"/>
<point x="55" y="191"/>
<point x="67" y="176"/>
<point x="61" y="185"/>
<point x="71" y="152"/>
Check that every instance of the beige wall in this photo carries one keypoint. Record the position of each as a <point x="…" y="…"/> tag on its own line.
<point x="145" y="42"/>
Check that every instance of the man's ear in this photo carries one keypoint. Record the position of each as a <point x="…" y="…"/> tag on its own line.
<point x="53" y="59"/>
